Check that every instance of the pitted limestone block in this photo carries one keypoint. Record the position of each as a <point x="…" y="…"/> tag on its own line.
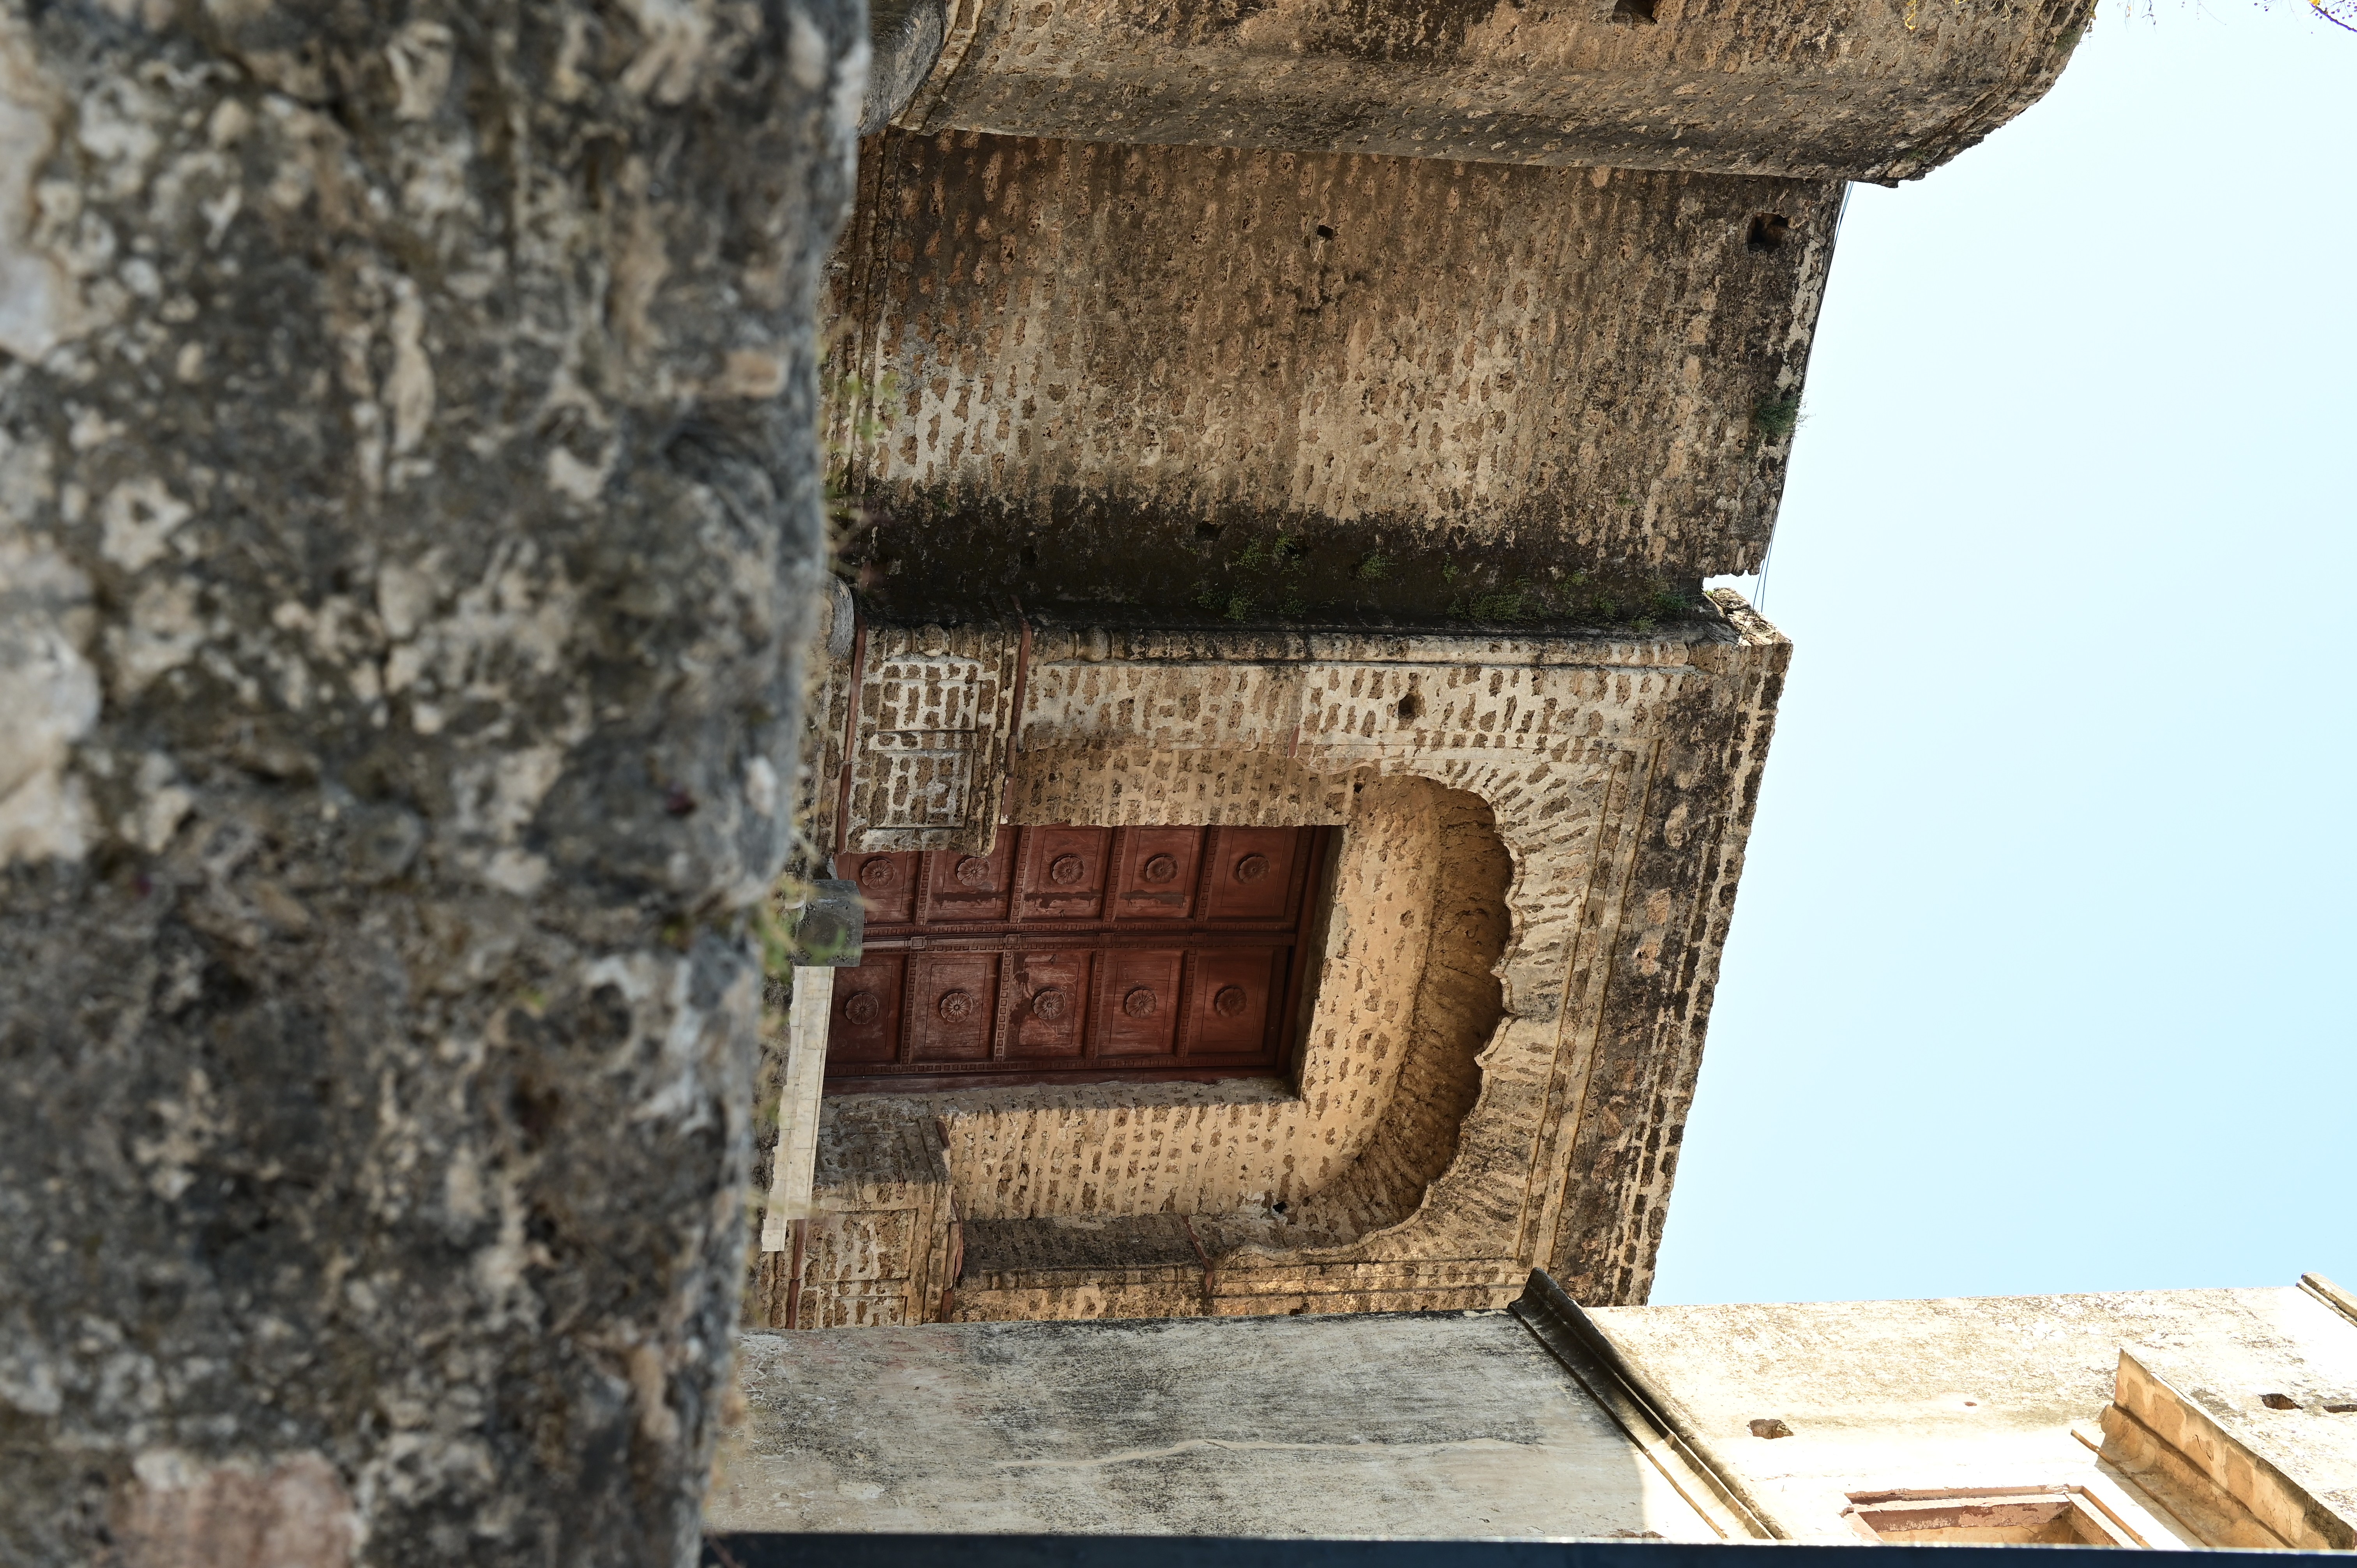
<point x="1156" y="383"/>
<point x="1853" y="90"/>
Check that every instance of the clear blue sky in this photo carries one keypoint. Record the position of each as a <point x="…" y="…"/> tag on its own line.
<point x="2040" y="974"/>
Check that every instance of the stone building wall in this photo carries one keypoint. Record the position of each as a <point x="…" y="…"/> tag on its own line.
<point x="2170" y="1420"/>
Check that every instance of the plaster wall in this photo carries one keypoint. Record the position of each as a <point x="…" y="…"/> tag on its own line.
<point x="1464" y="1423"/>
<point x="1417" y="1427"/>
<point x="1992" y="1393"/>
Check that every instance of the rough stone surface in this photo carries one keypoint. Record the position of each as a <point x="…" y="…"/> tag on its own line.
<point x="1411" y="1426"/>
<point x="408" y="515"/>
<point x="1541" y="839"/>
<point x="1851" y="89"/>
<point x="1248" y="387"/>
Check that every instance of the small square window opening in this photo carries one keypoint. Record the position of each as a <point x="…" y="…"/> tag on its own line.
<point x="2050" y="1515"/>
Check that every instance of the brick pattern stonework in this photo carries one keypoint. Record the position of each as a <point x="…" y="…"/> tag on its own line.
<point x="930" y="761"/>
<point x="877" y="1247"/>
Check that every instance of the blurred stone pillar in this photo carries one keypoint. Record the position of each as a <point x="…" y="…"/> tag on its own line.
<point x="409" y="521"/>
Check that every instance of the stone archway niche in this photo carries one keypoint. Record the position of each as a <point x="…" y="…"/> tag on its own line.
<point x="1405" y="1000"/>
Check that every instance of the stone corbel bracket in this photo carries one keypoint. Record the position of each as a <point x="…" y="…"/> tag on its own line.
<point x="1875" y="89"/>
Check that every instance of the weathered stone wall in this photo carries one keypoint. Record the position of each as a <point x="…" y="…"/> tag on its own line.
<point x="408" y="520"/>
<point x="1412" y="1427"/>
<point x="1456" y="1004"/>
<point x="1255" y="386"/>
<point x="1849" y="89"/>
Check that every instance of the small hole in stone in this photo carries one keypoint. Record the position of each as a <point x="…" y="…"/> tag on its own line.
<point x="1030" y="556"/>
<point x="1411" y="708"/>
<point x="1278" y="1206"/>
<point x="1768" y="231"/>
<point x="1325" y="230"/>
<point x="1770" y="1426"/>
<point x="1633" y="14"/>
<point x="1209" y="529"/>
<point x="2346" y="1408"/>
<point x="2279" y="1401"/>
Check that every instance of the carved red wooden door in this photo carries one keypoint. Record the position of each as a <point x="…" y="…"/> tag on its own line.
<point x="1077" y="955"/>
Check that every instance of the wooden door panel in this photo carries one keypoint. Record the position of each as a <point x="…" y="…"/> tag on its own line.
<point x="953" y="1006"/>
<point x="965" y="888"/>
<point x="1076" y="952"/>
<point x="1252" y="872"/>
<point x="887" y="883"/>
<point x="1064" y="874"/>
<point x="1233" y="1000"/>
<point x="1048" y="1007"/>
<point x="1137" y="1003"/>
<point x="866" y="1026"/>
<point x="1158" y="871"/>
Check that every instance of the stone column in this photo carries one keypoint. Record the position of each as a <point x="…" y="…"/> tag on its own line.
<point x="409" y="521"/>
